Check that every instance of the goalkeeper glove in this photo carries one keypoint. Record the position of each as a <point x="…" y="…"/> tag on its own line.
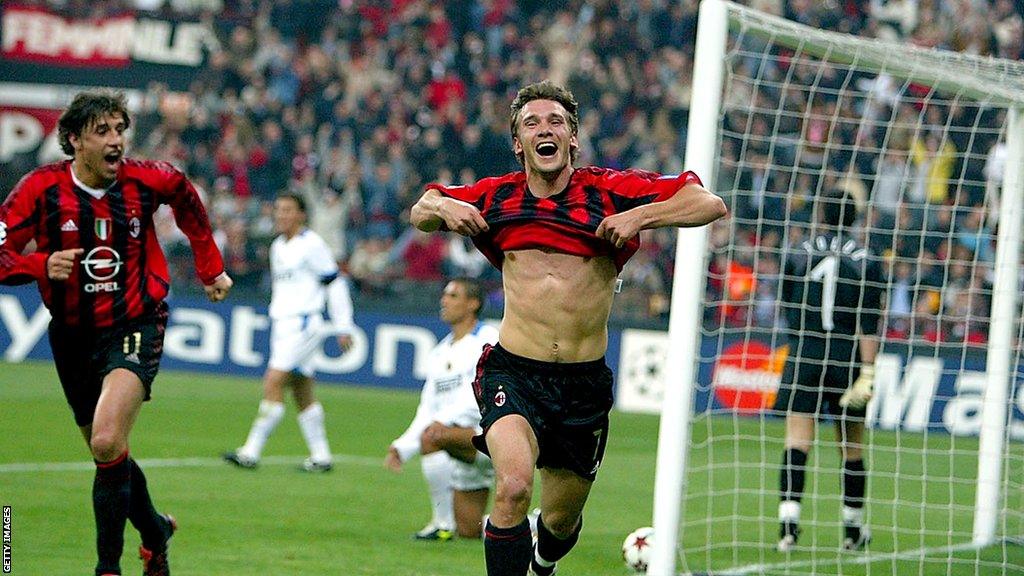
<point x="857" y="396"/>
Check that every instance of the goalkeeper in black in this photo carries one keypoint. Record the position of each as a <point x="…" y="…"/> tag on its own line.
<point x="831" y="294"/>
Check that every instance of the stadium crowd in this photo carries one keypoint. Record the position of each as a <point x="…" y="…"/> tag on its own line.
<point x="356" y="104"/>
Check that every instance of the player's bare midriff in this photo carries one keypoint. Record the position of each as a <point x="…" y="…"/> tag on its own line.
<point x="556" y="305"/>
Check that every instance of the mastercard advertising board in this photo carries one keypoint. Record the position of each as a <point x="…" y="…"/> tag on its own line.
<point x="744" y="377"/>
<point x="916" y="389"/>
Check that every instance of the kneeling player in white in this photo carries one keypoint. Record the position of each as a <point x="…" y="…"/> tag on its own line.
<point x="459" y="477"/>
<point x="305" y="276"/>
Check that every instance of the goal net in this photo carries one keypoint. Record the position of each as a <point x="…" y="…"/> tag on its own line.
<point x="929" y="144"/>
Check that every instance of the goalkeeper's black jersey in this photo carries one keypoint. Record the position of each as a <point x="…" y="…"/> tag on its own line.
<point x="831" y="286"/>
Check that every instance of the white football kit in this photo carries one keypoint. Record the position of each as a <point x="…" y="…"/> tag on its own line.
<point x="305" y="277"/>
<point x="448" y="398"/>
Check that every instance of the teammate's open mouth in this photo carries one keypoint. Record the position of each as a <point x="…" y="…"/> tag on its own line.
<point x="112" y="157"/>
<point x="547" y="149"/>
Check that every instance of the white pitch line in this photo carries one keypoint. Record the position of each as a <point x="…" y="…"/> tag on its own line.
<point x="198" y="462"/>
<point x="848" y="559"/>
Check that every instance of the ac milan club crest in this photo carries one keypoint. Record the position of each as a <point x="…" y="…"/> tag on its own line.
<point x="134" y="227"/>
<point x="499" y="398"/>
<point x="103" y="228"/>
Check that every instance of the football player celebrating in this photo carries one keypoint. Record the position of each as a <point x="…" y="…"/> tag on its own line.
<point x="103" y="276"/>
<point x="559" y="235"/>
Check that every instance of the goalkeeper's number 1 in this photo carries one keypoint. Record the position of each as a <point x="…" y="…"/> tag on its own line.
<point x="828" y="272"/>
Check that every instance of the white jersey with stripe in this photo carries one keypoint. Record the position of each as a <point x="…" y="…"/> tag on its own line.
<point x="447" y="395"/>
<point x="305" y="277"/>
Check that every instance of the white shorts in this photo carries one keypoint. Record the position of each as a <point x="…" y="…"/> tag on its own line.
<point x="475" y="476"/>
<point x="294" y="342"/>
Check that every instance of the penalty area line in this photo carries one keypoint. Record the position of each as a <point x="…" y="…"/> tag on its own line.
<point x="197" y="462"/>
<point x="847" y="558"/>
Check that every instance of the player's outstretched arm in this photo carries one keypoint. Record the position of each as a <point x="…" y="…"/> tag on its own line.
<point x="17" y="229"/>
<point x="432" y="210"/>
<point x="191" y="218"/>
<point x="339" y="303"/>
<point x="691" y="205"/>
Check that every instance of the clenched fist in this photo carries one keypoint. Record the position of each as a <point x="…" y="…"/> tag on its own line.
<point x="220" y="288"/>
<point x="61" y="263"/>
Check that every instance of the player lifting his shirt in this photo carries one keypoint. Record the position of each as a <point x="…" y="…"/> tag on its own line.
<point x="559" y="235"/>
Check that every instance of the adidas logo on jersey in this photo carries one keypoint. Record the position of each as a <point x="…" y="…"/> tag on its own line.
<point x="133" y="357"/>
<point x="69" y="226"/>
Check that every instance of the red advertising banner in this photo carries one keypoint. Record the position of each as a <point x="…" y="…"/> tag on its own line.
<point x="23" y="130"/>
<point x="33" y="34"/>
<point x="28" y="137"/>
<point x="39" y="45"/>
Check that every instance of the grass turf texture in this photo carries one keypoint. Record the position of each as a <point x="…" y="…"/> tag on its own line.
<point x="359" y="519"/>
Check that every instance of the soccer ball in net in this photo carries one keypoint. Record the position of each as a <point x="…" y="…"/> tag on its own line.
<point x="636" y="550"/>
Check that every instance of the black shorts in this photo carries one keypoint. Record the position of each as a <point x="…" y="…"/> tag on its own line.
<point x="85" y="357"/>
<point x="567" y="406"/>
<point x="814" y="387"/>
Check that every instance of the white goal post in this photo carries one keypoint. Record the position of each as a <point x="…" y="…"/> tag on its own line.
<point x="988" y="82"/>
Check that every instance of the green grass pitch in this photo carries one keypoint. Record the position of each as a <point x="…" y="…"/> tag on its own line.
<point x="359" y="519"/>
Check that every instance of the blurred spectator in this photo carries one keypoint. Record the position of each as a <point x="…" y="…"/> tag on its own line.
<point x="369" y="265"/>
<point x="901" y="298"/>
<point x="932" y="158"/>
<point x="422" y="255"/>
<point x="240" y="257"/>
<point x="974" y="235"/>
<point x="890" y="183"/>
<point x="380" y="201"/>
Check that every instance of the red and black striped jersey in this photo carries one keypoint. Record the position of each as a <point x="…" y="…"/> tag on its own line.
<point x="567" y="221"/>
<point x="122" y="272"/>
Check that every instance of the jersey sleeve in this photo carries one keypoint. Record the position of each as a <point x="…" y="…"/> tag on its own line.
<point x="339" y="305"/>
<point x="321" y="261"/>
<point x="475" y="194"/>
<point x="19" y="223"/>
<point x="408" y="444"/>
<point x="339" y="299"/>
<point x="632" y="188"/>
<point x="472" y="193"/>
<point x="190" y="216"/>
<point x="871" y="300"/>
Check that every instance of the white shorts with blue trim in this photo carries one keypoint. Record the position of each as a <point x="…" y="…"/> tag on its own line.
<point x="294" y="342"/>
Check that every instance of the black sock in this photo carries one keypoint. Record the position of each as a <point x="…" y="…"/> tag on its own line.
<point x="854" y="480"/>
<point x="552" y="548"/>
<point x="151" y="526"/>
<point x="791" y="479"/>
<point x="507" y="550"/>
<point x="111" y="494"/>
